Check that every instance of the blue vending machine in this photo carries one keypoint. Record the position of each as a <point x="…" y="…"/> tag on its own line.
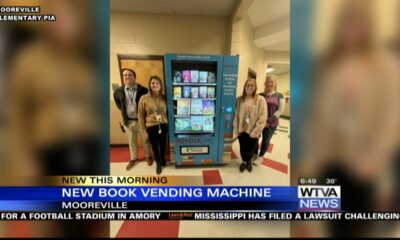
<point x="201" y="98"/>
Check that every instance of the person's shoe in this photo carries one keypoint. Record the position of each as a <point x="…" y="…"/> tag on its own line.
<point x="130" y="164"/>
<point x="256" y="160"/>
<point x="242" y="167"/>
<point x="167" y="163"/>
<point x="149" y="161"/>
<point x="249" y="166"/>
<point x="158" y="170"/>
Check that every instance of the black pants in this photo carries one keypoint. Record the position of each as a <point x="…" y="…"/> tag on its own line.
<point x="247" y="146"/>
<point x="158" y="142"/>
<point x="267" y="134"/>
<point x="356" y="196"/>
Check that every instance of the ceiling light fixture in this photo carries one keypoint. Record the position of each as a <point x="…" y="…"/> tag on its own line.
<point x="270" y="69"/>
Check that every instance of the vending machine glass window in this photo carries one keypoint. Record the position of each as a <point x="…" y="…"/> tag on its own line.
<point x="194" y="94"/>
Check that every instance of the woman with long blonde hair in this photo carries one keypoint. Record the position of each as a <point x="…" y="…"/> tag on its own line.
<point x="153" y="120"/>
<point x="250" y="117"/>
<point x="276" y="103"/>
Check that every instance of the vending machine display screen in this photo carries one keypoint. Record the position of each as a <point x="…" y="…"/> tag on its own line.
<point x="194" y="93"/>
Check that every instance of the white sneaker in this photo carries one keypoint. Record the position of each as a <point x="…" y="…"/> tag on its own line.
<point x="256" y="159"/>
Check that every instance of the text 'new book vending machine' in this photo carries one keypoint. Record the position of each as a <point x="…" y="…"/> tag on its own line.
<point x="201" y="98"/>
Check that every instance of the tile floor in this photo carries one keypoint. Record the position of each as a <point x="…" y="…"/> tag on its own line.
<point x="274" y="170"/>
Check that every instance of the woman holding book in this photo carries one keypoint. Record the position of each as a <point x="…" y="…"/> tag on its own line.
<point x="276" y="103"/>
<point x="250" y="118"/>
<point x="153" y="120"/>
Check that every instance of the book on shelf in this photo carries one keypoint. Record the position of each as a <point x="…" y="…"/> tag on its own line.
<point x="194" y="92"/>
<point x="196" y="123"/>
<point x="194" y="76"/>
<point x="211" y="77"/>
<point x="182" y="124"/>
<point x="186" y="77"/>
<point x="203" y="92"/>
<point x="183" y="107"/>
<point x="196" y="106"/>
<point x="186" y="92"/>
<point x="211" y="92"/>
<point x="177" y="76"/>
<point x="208" y="107"/>
<point x="177" y="92"/>
<point x="208" y="123"/>
<point x="203" y="76"/>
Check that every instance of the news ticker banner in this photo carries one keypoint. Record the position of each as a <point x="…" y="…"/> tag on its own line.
<point x="105" y="193"/>
<point x="203" y="215"/>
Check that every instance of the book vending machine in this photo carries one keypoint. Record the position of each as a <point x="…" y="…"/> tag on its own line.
<point x="201" y="98"/>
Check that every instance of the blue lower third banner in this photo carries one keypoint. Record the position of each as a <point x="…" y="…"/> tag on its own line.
<point x="164" y="198"/>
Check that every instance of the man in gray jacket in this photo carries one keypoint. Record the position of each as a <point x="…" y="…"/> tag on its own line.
<point x="127" y="98"/>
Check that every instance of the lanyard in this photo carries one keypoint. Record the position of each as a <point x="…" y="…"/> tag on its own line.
<point x="157" y="105"/>
<point x="158" y="114"/>
<point x="131" y="94"/>
<point x="248" y="107"/>
<point x="248" y="111"/>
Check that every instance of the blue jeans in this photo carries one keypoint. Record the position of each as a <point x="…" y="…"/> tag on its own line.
<point x="267" y="134"/>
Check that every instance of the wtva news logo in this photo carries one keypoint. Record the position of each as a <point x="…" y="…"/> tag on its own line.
<point x="317" y="198"/>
